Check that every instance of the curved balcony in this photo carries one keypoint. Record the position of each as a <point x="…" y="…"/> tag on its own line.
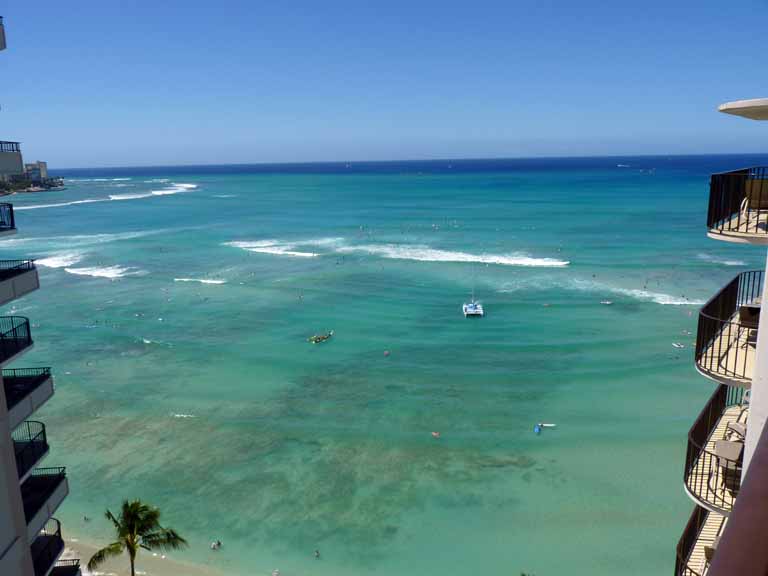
<point x="66" y="568"/>
<point x="26" y="389"/>
<point x="7" y="219"/>
<point x="17" y="278"/>
<point x="15" y="337"/>
<point x="698" y="543"/>
<point x="715" y="448"/>
<point x="726" y="337"/>
<point x="41" y="494"/>
<point x="738" y="206"/>
<point x="30" y="445"/>
<point x="47" y="548"/>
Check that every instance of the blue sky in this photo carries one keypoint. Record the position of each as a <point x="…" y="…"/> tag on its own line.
<point x="109" y="83"/>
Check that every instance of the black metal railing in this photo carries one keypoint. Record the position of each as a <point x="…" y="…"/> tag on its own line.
<point x="7" y="219"/>
<point x="14" y="336"/>
<point x="738" y="201"/>
<point x="38" y="488"/>
<point x="687" y="542"/>
<point x="11" y="268"/>
<point x="29" y="445"/>
<point x="6" y="146"/>
<point x="727" y="332"/>
<point x="21" y="382"/>
<point x="47" y="547"/>
<point x="66" y="568"/>
<point x="713" y="479"/>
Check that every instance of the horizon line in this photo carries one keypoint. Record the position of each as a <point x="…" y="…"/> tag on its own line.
<point x="406" y="161"/>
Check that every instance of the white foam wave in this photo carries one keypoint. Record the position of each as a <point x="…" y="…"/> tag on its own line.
<point x="224" y="195"/>
<point x="111" y="272"/>
<point x="157" y="180"/>
<point x="657" y="297"/>
<point x="201" y="280"/>
<point x="128" y="196"/>
<point x="74" y="202"/>
<point x="274" y="247"/>
<point x="98" y="179"/>
<point x="427" y="254"/>
<point x="183" y="415"/>
<point x="174" y="188"/>
<point x="60" y="260"/>
<point x="723" y="261"/>
<point x="600" y="288"/>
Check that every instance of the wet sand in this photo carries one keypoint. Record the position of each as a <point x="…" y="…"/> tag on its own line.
<point x="147" y="563"/>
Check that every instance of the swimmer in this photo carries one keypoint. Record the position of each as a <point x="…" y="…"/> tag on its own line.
<point x="317" y="554"/>
<point x="435" y="434"/>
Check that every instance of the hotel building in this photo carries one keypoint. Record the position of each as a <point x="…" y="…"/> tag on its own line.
<point x="30" y="537"/>
<point x="726" y="462"/>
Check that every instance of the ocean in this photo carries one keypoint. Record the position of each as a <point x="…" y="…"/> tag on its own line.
<point x="175" y="307"/>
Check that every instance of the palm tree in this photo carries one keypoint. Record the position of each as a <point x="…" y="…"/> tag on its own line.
<point x="138" y="526"/>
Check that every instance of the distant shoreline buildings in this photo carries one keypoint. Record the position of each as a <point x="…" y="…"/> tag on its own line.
<point x="16" y="176"/>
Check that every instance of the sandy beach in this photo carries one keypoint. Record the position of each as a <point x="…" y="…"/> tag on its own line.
<point x="147" y="563"/>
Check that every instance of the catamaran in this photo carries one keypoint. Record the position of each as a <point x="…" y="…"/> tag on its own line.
<point x="473" y="307"/>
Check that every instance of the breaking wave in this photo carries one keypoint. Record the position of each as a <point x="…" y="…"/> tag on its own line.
<point x="723" y="261"/>
<point x="174" y="188"/>
<point x="111" y="272"/>
<point x="274" y="247"/>
<point x="427" y="254"/>
<point x="60" y="260"/>
<point x="576" y="284"/>
<point x="419" y="253"/>
<point x="200" y="280"/>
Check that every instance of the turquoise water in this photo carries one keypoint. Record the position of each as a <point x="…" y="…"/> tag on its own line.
<point x="206" y="399"/>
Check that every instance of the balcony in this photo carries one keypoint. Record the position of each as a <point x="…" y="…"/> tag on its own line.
<point x="727" y="333"/>
<point x="7" y="220"/>
<point x="15" y="337"/>
<point x="26" y="389"/>
<point x="66" y="568"/>
<point x="715" y="448"/>
<point x="47" y="548"/>
<point x="2" y="34"/>
<point x="698" y="543"/>
<point x="41" y="494"/>
<point x="17" y="278"/>
<point x="738" y="206"/>
<point x="30" y="446"/>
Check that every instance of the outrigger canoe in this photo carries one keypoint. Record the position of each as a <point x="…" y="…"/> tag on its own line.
<point x="318" y="338"/>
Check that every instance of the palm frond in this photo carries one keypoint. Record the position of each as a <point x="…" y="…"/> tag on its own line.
<point x="111" y="517"/>
<point x="163" y="539"/>
<point x="114" y="549"/>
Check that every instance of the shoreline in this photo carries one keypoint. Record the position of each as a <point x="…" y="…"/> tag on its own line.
<point x="147" y="563"/>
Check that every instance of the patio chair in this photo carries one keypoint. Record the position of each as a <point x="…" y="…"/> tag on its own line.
<point x="755" y="200"/>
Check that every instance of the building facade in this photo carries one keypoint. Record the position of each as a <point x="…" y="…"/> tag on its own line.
<point x="30" y="537"/>
<point x="11" y="162"/>
<point x="37" y="172"/>
<point x="732" y="351"/>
